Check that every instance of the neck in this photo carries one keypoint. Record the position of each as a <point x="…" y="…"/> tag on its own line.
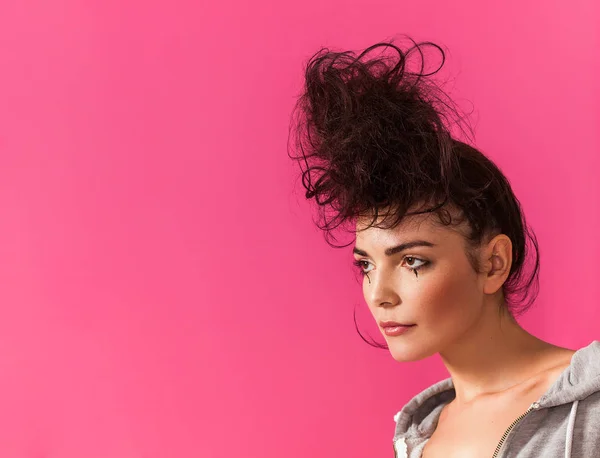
<point x="493" y="356"/>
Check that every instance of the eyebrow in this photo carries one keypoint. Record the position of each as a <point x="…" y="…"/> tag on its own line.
<point x="397" y="249"/>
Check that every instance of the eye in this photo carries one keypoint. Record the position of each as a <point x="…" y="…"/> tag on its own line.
<point x="413" y="263"/>
<point x="360" y="264"/>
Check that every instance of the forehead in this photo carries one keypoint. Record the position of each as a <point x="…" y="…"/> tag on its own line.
<point x="425" y="226"/>
<point x="413" y="224"/>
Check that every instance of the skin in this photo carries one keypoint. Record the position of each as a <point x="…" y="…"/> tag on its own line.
<point x="497" y="367"/>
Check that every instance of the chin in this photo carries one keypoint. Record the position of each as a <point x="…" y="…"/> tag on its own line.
<point x="405" y="350"/>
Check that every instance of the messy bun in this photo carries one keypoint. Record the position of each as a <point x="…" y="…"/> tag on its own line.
<point x="372" y="135"/>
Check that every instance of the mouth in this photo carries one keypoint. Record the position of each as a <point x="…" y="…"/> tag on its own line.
<point x="393" y="328"/>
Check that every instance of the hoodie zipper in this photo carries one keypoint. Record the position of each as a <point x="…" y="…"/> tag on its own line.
<point x="533" y="406"/>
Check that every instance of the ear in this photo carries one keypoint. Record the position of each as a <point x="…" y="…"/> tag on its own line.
<point x="497" y="260"/>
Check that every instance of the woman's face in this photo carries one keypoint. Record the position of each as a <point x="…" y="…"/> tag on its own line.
<point x="429" y="284"/>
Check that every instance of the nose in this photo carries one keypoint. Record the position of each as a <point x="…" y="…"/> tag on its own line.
<point x="381" y="291"/>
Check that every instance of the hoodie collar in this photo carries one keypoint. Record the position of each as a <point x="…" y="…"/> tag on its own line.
<point x="579" y="380"/>
<point x="419" y="417"/>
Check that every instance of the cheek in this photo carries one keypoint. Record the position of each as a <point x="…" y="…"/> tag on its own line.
<point x="445" y="297"/>
<point x="444" y="304"/>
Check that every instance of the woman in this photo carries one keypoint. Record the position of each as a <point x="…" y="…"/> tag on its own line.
<point x="447" y="258"/>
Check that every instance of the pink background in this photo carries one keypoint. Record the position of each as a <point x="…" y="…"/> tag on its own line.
<point x="164" y="292"/>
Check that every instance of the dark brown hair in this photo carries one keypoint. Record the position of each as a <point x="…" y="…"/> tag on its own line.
<point x="372" y="135"/>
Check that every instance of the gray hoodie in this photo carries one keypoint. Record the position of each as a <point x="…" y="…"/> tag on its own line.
<point x="564" y="422"/>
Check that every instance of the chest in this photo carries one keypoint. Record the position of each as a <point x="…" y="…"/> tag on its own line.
<point x="474" y="432"/>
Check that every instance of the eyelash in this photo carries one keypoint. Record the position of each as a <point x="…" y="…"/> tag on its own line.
<point x="359" y="263"/>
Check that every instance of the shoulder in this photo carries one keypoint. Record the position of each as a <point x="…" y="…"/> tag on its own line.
<point x="584" y="419"/>
<point x="420" y="414"/>
<point x="587" y="412"/>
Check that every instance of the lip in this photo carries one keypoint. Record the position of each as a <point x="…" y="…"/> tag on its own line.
<point x="393" y="328"/>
